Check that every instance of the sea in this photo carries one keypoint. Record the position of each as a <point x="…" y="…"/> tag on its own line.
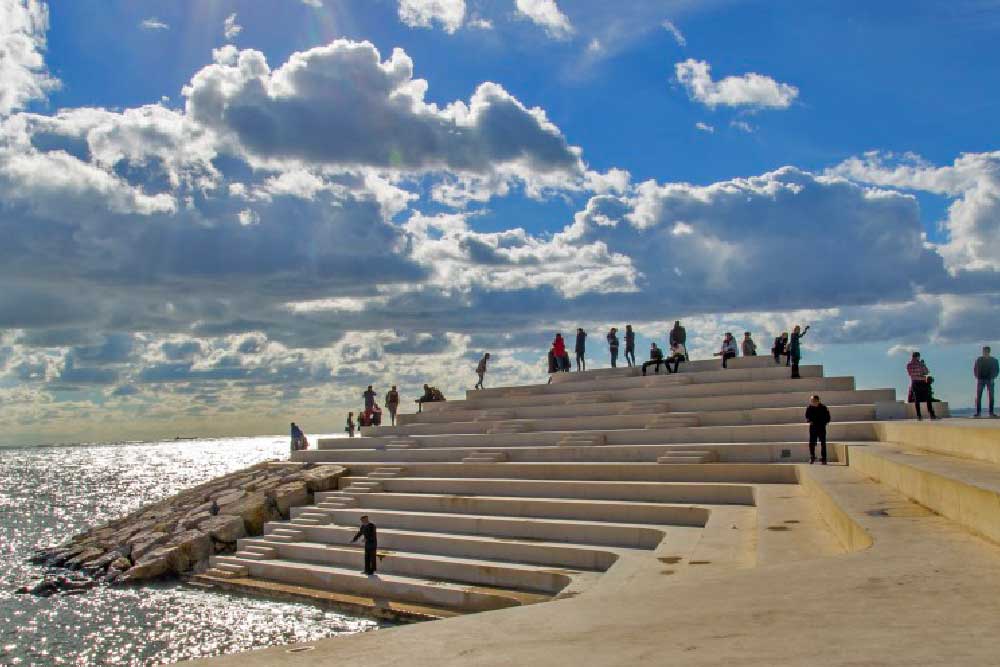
<point x="49" y="493"/>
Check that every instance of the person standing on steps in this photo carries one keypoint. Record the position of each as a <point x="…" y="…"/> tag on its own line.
<point x="560" y="354"/>
<point x="818" y="416"/>
<point x="350" y="425"/>
<point x="613" y="346"/>
<point x="778" y="349"/>
<point x="920" y="388"/>
<point x="369" y="396"/>
<point x="630" y="346"/>
<point x="795" y="349"/>
<point x="392" y="403"/>
<point x="581" y="349"/>
<point x="299" y="441"/>
<point x="367" y="531"/>
<point x="749" y="347"/>
<point x="986" y="370"/>
<point x="679" y="335"/>
<point x="481" y="370"/>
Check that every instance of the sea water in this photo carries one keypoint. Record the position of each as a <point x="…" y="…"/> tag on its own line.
<point x="50" y="493"/>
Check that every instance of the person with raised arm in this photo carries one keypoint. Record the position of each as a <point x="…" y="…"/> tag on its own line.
<point x="795" y="348"/>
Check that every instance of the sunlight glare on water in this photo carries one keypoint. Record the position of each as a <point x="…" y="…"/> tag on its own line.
<point x="48" y="494"/>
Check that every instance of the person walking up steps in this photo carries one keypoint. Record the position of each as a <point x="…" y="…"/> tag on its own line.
<point x="679" y="335"/>
<point x="481" y="370"/>
<point x="630" y="346"/>
<point x="581" y="350"/>
<point x="986" y="370"/>
<point x="795" y="349"/>
<point x="818" y="416"/>
<point x="392" y="403"/>
<point x="367" y="531"/>
<point x="613" y="346"/>
<point x="920" y="388"/>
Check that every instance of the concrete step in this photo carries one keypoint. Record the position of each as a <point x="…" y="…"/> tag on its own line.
<point x="725" y="376"/>
<point x="537" y="552"/>
<point x="526" y="507"/>
<point x="726" y="402"/>
<point x="660" y="391"/>
<point x="515" y="576"/>
<point x="738" y="473"/>
<point x="633" y="536"/>
<point x="582" y="440"/>
<point x="485" y="457"/>
<point x="230" y="568"/>
<point x="387" y="586"/>
<point x="717" y="493"/>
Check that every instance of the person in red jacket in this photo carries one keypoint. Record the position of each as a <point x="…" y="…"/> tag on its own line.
<point x="559" y="352"/>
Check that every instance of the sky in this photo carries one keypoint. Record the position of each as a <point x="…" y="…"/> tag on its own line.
<point x="219" y="216"/>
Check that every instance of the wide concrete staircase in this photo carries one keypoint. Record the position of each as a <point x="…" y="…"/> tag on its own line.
<point x="517" y="495"/>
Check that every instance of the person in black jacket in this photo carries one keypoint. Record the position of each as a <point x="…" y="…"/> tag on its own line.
<point x="581" y="349"/>
<point x="371" y="543"/>
<point x="818" y="416"/>
<point x="630" y="346"/>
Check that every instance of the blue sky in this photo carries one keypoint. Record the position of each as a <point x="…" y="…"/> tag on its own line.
<point x="225" y="213"/>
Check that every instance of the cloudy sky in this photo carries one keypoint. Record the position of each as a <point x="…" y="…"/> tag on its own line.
<point x="220" y="215"/>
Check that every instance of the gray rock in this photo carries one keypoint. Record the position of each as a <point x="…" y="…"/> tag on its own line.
<point x="291" y="494"/>
<point x="188" y="549"/>
<point x="255" y="511"/>
<point x="322" y="478"/>
<point x="78" y="561"/>
<point x="223" y="528"/>
<point x="143" y="543"/>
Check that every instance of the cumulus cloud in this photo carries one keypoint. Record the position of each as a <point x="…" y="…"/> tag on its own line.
<point x="749" y="90"/>
<point x="23" y="77"/>
<point x="424" y="13"/>
<point x="342" y="105"/>
<point x="972" y="182"/>
<point x="153" y="23"/>
<point x="546" y="13"/>
<point x="704" y="127"/>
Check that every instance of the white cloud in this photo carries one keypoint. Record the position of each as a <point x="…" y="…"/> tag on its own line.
<point x="23" y="76"/>
<point x="153" y="23"/>
<point x="546" y="14"/>
<point x="674" y="32"/>
<point x="742" y="126"/>
<point x="424" y="13"/>
<point x="341" y="105"/>
<point x="480" y="23"/>
<point x="230" y="28"/>
<point x="972" y="182"/>
<point x="313" y="3"/>
<point x="704" y="127"/>
<point x="595" y="46"/>
<point x="750" y="90"/>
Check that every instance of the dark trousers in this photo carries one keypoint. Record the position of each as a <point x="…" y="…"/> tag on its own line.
<point x="656" y="365"/>
<point x="371" y="550"/>
<point x="581" y="363"/>
<point x="726" y="356"/>
<point x="922" y="394"/>
<point x="677" y="359"/>
<point x="817" y="432"/>
<point x="614" y="357"/>
<point x="988" y="386"/>
<point x="795" y="367"/>
<point x="630" y="356"/>
<point x="479" y="385"/>
<point x="777" y="357"/>
<point x="392" y="414"/>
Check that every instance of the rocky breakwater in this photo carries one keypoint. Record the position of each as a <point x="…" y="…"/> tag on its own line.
<point x="176" y="536"/>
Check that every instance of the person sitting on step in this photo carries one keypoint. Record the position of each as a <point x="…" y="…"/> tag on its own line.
<point x="677" y="354"/>
<point x="728" y="350"/>
<point x="655" y="359"/>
